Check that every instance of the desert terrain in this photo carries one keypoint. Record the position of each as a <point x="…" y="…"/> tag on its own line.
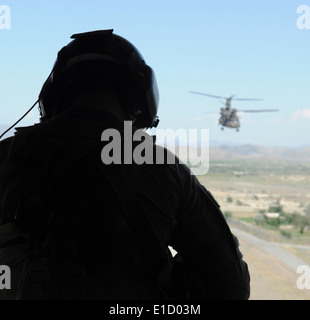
<point x="247" y="181"/>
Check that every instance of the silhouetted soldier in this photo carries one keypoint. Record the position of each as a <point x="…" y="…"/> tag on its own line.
<point x="73" y="227"/>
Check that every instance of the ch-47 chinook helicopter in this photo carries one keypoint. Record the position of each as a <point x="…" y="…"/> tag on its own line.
<point x="228" y="114"/>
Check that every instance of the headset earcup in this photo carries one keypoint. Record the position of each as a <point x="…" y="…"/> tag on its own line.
<point x="49" y="99"/>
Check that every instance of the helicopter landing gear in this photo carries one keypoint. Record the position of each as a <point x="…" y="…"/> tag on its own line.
<point x="222" y="128"/>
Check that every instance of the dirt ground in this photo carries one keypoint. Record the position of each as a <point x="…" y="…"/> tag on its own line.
<point x="272" y="277"/>
<point x="272" y="267"/>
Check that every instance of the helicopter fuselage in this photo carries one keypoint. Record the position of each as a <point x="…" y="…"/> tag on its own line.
<point x="229" y="118"/>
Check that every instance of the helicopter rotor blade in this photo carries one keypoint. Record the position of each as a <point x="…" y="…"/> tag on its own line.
<point x="219" y="97"/>
<point x="266" y="110"/>
<point x="207" y="95"/>
<point x="241" y="99"/>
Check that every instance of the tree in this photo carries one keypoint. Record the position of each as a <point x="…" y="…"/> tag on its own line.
<point x="307" y="214"/>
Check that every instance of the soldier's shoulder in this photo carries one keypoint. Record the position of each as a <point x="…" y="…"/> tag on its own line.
<point x="4" y="147"/>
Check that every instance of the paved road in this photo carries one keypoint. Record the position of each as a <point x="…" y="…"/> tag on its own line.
<point x="276" y="249"/>
<point x="272" y="268"/>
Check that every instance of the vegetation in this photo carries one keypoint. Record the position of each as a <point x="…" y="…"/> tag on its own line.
<point x="297" y="220"/>
<point x="286" y="234"/>
<point x="227" y="214"/>
<point x="263" y="187"/>
<point x="229" y="199"/>
<point x="307" y="211"/>
<point x="276" y="208"/>
<point x="245" y="168"/>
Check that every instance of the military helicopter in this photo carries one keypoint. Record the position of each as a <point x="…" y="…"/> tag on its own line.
<point x="228" y="114"/>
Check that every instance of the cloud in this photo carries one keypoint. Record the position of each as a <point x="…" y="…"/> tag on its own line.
<point x="301" y="114"/>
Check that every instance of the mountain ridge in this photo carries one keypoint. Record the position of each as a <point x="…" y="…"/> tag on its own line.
<point x="231" y="151"/>
<point x="255" y="152"/>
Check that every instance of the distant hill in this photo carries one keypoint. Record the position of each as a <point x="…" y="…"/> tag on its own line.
<point x="248" y="151"/>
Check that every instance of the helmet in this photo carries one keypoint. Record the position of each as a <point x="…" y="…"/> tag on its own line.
<point x="100" y="55"/>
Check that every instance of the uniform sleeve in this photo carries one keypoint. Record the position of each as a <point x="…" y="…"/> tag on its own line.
<point x="204" y="241"/>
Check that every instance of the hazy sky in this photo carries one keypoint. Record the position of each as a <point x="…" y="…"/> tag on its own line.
<point x="250" y="49"/>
